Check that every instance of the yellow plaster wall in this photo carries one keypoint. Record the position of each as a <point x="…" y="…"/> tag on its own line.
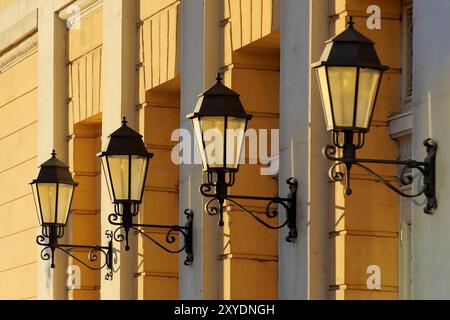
<point x="84" y="57"/>
<point x="84" y="54"/>
<point x="84" y="220"/>
<point x="4" y="4"/>
<point x="159" y="101"/>
<point x="251" y="60"/>
<point x="250" y="251"/>
<point x="159" y="42"/>
<point x="251" y="20"/>
<point x="18" y="166"/>
<point x="365" y="228"/>
<point x="158" y="270"/>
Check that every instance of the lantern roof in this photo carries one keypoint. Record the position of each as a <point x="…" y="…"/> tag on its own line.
<point x="126" y="141"/>
<point x="350" y="48"/>
<point x="54" y="171"/>
<point x="219" y="100"/>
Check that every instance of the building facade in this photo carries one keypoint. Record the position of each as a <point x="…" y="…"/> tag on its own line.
<point x="70" y="70"/>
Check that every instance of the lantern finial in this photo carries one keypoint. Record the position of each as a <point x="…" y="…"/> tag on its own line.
<point x="219" y="77"/>
<point x="124" y="121"/>
<point x="350" y="22"/>
<point x="53" y="153"/>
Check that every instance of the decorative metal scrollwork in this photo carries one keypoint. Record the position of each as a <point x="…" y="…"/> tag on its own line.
<point x="124" y="225"/>
<point x="215" y="205"/>
<point x="427" y="169"/>
<point x="49" y="240"/>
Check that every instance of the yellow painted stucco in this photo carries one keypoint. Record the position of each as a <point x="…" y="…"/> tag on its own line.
<point x="18" y="219"/>
<point x="158" y="270"/>
<point x="365" y="229"/>
<point x="84" y="55"/>
<point x="251" y="59"/>
<point x="4" y="4"/>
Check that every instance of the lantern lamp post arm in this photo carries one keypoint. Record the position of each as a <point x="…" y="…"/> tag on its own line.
<point x="427" y="169"/>
<point x="50" y="242"/>
<point x="215" y="205"/>
<point x="185" y="231"/>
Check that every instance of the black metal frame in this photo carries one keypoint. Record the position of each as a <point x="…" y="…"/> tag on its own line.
<point x="127" y="211"/>
<point x="53" y="171"/>
<point x="225" y="163"/>
<point x="124" y="142"/>
<point x="426" y="168"/>
<point x="361" y="130"/>
<point x="221" y="102"/>
<point x="49" y="240"/>
<point x="223" y="180"/>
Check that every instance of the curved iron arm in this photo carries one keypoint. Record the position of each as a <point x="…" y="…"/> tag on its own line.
<point x="427" y="169"/>
<point x="49" y="240"/>
<point x="215" y="205"/>
<point x="185" y="231"/>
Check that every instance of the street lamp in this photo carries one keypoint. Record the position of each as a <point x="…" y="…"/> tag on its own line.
<point x="349" y="74"/>
<point x="220" y="122"/>
<point x="125" y="165"/>
<point x="218" y="113"/>
<point x="53" y="193"/>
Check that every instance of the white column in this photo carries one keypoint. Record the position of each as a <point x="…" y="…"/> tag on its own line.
<point x="431" y="113"/>
<point x="52" y="126"/>
<point x="119" y="99"/>
<point x="198" y="67"/>
<point x="303" y="266"/>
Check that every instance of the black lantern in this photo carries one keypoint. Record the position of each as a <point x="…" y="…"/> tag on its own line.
<point x="53" y="193"/>
<point x="125" y="164"/>
<point x="349" y="74"/>
<point x="220" y="122"/>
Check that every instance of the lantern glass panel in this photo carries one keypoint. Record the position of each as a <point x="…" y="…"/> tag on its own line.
<point x="47" y="197"/>
<point x="138" y="172"/>
<point x="119" y="171"/>
<point x="342" y="82"/>
<point x="235" y="138"/>
<point x="213" y="129"/>
<point x="367" y="90"/>
<point x="36" y="202"/>
<point x="64" y="199"/>
<point x="199" y="138"/>
<point x="107" y="176"/>
<point x="325" y="94"/>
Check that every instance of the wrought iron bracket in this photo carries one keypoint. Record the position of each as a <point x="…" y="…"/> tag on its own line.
<point x="426" y="168"/>
<point x="215" y="205"/>
<point x="49" y="240"/>
<point x="124" y="222"/>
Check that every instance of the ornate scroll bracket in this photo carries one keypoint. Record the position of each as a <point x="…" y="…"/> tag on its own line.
<point x="49" y="240"/>
<point x="126" y="224"/>
<point x="342" y="168"/>
<point x="215" y="205"/>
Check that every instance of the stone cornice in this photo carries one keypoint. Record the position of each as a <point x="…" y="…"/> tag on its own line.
<point x="19" y="41"/>
<point x="400" y="124"/>
<point x="19" y="31"/>
<point x="85" y="7"/>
